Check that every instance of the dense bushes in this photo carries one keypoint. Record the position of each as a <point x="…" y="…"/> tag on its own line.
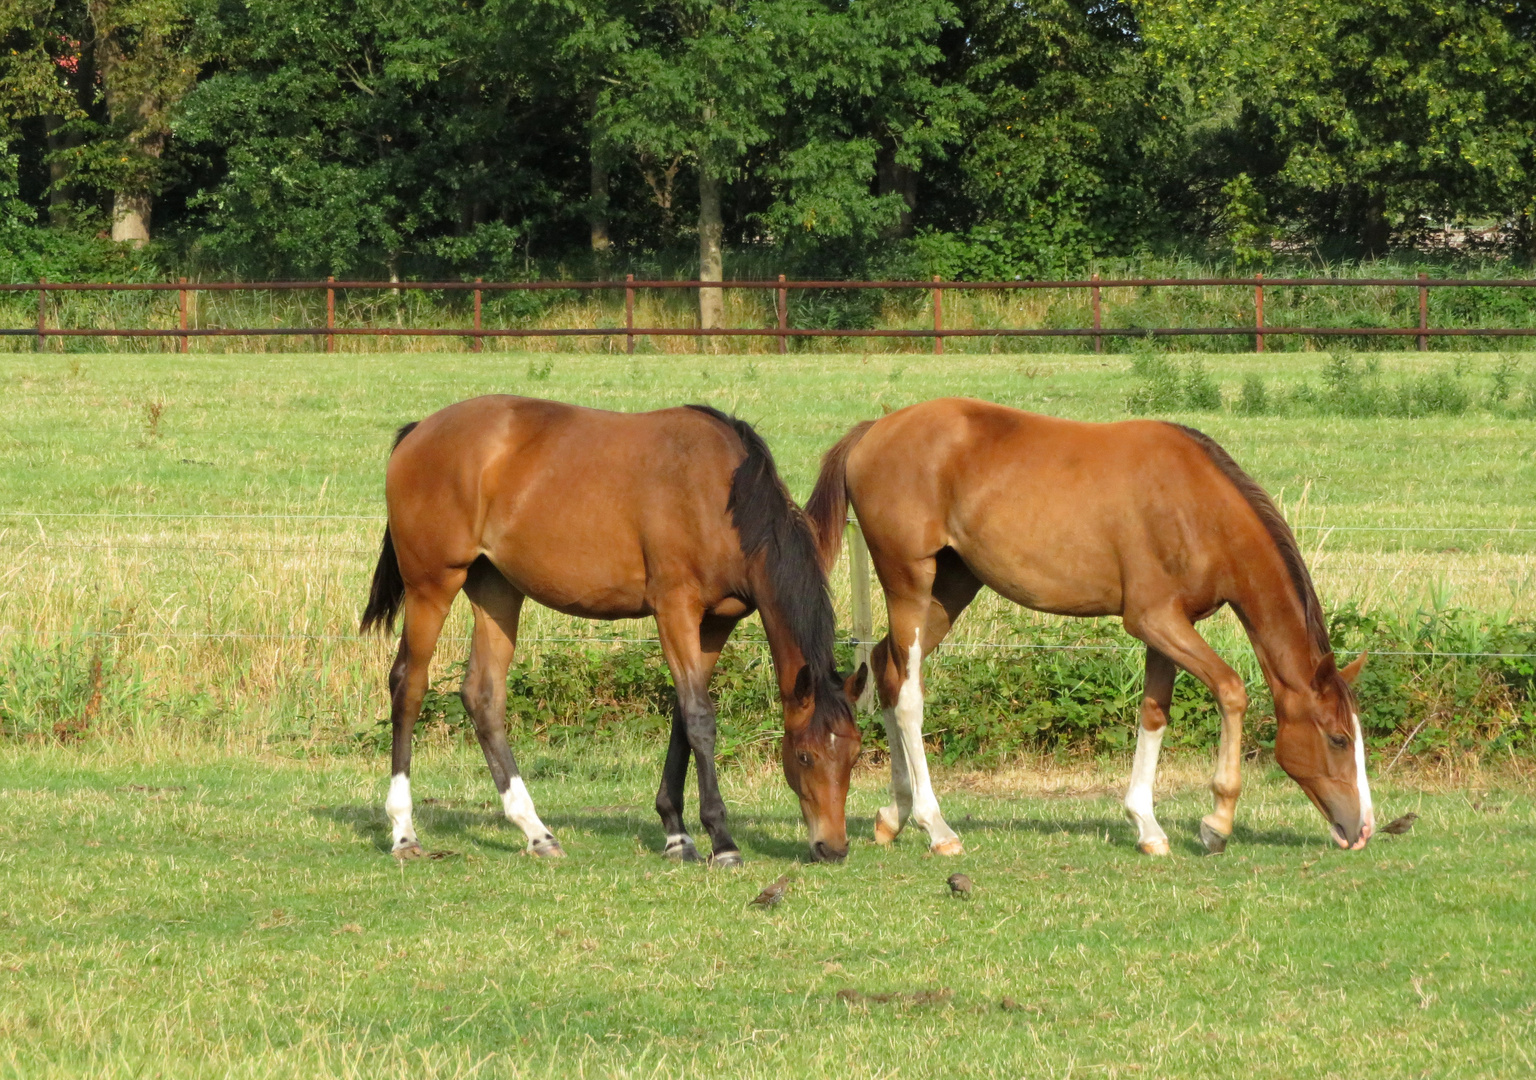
<point x="1444" y="681"/>
<point x="1080" y="692"/>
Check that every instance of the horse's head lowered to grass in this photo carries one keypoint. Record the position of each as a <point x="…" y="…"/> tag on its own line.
<point x="821" y="745"/>
<point x="1319" y="744"/>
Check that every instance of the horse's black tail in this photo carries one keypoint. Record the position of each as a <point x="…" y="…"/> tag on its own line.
<point x="387" y="593"/>
<point x="388" y="590"/>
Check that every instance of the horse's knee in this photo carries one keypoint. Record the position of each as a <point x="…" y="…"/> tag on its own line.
<point x="1232" y="697"/>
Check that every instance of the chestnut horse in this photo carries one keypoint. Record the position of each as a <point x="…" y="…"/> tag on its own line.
<point x="1150" y="521"/>
<point x="678" y="514"/>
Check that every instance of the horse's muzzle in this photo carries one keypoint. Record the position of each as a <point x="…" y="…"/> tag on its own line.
<point x="822" y="851"/>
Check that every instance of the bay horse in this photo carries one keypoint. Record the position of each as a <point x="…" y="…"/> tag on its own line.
<point x="1146" y="520"/>
<point x="678" y="514"/>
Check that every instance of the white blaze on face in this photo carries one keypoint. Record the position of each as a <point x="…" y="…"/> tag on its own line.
<point x="1362" y="785"/>
<point x="398" y="806"/>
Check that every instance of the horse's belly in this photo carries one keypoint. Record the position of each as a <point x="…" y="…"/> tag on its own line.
<point x="1063" y="581"/>
<point x="589" y="586"/>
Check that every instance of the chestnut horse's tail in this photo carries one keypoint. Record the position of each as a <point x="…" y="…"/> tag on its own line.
<point x="388" y="590"/>
<point x="828" y="508"/>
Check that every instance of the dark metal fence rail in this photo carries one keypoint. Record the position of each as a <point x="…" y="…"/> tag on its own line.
<point x="476" y="333"/>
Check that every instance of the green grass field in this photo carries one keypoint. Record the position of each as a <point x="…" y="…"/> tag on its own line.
<point x="195" y="880"/>
<point x="197" y="913"/>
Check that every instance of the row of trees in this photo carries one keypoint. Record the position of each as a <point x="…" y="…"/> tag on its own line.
<point x="991" y="138"/>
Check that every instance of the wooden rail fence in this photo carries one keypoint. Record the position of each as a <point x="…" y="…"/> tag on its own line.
<point x="476" y="333"/>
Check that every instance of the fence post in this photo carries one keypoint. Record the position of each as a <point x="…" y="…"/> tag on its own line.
<point x="863" y="620"/>
<point x="1258" y="312"/>
<point x="479" y="341"/>
<point x="330" y="313"/>
<point x="182" y="294"/>
<point x="629" y="312"/>
<point x="1423" y="313"/>
<point x="42" y="314"/>
<point x="783" y="304"/>
<point x="1098" y="342"/>
<point x="938" y="319"/>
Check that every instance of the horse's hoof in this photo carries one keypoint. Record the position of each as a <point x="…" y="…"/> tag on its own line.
<point x="725" y="860"/>
<point x="407" y="850"/>
<point x="683" y="851"/>
<point x="952" y="846"/>
<point x="547" y="848"/>
<point x="1215" y="843"/>
<point x="1154" y="847"/>
<point x="885" y="832"/>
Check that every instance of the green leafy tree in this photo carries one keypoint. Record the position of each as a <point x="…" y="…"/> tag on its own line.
<point x="1371" y="115"/>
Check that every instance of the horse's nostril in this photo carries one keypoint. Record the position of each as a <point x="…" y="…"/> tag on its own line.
<point x="825" y="852"/>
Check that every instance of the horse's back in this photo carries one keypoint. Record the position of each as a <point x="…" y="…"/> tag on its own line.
<point x="1060" y="515"/>
<point x="578" y="508"/>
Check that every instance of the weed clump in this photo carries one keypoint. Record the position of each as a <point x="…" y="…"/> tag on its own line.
<point x="67" y="691"/>
<point x="1166" y="386"/>
<point x="1254" y="400"/>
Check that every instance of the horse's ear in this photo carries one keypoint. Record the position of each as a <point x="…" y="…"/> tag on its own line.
<point x="1351" y="671"/>
<point x="803" y="684"/>
<point x="1326" y="670"/>
<point x="854" y="684"/>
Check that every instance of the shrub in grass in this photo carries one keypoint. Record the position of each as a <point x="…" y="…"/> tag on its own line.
<point x="1166" y="386"/>
<point x="68" y="690"/>
<point x="1200" y="390"/>
<point x="1254" y="399"/>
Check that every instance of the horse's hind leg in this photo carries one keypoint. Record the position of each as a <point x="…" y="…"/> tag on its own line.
<point x="924" y="599"/>
<point x="426" y="606"/>
<point x="1150" y="837"/>
<point x="497" y="605"/>
<point x="1172" y="634"/>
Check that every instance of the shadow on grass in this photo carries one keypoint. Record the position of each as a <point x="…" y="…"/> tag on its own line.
<point x="756" y="833"/>
<point x="1184" y="833"/>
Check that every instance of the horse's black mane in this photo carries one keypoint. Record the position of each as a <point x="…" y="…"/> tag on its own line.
<point x="1274" y="523"/>
<point x="768" y="521"/>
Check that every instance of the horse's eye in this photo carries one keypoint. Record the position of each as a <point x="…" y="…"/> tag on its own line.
<point x="805" y="759"/>
<point x="1339" y="742"/>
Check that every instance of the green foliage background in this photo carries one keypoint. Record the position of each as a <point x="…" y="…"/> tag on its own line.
<point x="971" y="138"/>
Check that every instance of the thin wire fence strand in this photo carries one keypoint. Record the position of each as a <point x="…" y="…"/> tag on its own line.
<point x="194" y="635"/>
<point x="380" y="517"/>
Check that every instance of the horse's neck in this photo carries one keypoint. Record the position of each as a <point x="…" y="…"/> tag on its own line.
<point x="1275" y="618"/>
<point x="782" y="646"/>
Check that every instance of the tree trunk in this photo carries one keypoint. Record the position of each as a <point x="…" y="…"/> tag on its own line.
<point x="711" y="254"/>
<point x="1375" y="231"/>
<point x="598" y="204"/>
<point x="130" y="217"/>
<point x="896" y="179"/>
<point x="61" y="195"/>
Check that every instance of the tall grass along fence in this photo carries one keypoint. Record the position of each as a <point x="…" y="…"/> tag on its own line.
<point x="779" y="313"/>
<point x="289" y="673"/>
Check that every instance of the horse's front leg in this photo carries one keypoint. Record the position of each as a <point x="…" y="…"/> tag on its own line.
<point x="692" y="642"/>
<point x="1171" y="633"/>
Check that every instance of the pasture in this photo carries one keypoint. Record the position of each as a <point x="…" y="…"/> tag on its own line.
<point x="195" y="878"/>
